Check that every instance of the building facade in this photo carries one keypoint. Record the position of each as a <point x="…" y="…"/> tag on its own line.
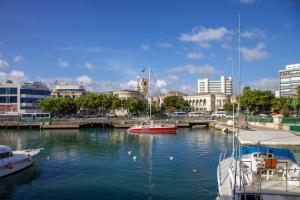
<point x="208" y="102"/>
<point x="224" y="86"/>
<point x="67" y="90"/>
<point x="125" y="94"/>
<point x="18" y="98"/>
<point x="289" y="79"/>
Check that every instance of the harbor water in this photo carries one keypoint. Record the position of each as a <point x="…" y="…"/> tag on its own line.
<point x="100" y="164"/>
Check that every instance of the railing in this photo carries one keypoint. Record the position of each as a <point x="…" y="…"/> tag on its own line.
<point x="260" y="119"/>
<point x="289" y="120"/>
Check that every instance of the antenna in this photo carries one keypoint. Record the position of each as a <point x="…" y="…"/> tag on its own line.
<point x="149" y="92"/>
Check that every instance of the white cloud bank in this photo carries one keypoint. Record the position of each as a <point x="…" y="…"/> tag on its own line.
<point x="256" y="53"/>
<point x="15" y="76"/>
<point x="203" y="34"/>
<point x="85" y="80"/>
<point x="265" y="84"/>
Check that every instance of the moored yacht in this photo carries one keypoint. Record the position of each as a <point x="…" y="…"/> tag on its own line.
<point x="153" y="128"/>
<point x="14" y="161"/>
<point x="259" y="171"/>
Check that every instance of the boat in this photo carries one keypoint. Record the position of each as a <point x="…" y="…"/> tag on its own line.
<point x="153" y="128"/>
<point x="145" y="128"/>
<point x="262" y="168"/>
<point x="14" y="161"/>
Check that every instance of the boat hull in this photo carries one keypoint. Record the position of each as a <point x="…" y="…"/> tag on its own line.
<point x="153" y="130"/>
<point x="14" y="167"/>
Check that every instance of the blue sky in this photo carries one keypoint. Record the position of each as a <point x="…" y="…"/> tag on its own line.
<point x="106" y="44"/>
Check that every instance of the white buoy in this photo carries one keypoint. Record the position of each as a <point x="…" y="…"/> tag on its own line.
<point x="171" y="157"/>
<point x="48" y="158"/>
<point x="134" y="158"/>
<point x="129" y="152"/>
<point x="224" y="130"/>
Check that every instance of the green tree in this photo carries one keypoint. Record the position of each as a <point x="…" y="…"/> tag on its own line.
<point x="228" y="106"/>
<point x="175" y="103"/>
<point x="134" y="105"/>
<point x="256" y="100"/>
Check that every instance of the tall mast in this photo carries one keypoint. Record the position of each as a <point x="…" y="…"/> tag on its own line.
<point x="149" y="91"/>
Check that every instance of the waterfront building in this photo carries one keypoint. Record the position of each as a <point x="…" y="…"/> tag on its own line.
<point x="18" y="98"/>
<point x="224" y="86"/>
<point x="125" y="94"/>
<point x="207" y="102"/>
<point x="289" y="80"/>
<point x="66" y="90"/>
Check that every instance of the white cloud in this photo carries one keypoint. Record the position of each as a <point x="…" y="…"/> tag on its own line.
<point x="203" y="34"/>
<point x="15" y="76"/>
<point x="63" y="63"/>
<point x="265" y="84"/>
<point x="257" y="53"/>
<point x="18" y="58"/>
<point x="161" y="83"/>
<point x="247" y="1"/>
<point x="204" y="45"/>
<point x="89" y="66"/>
<point x="131" y="84"/>
<point x="3" y="64"/>
<point x="226" y="46"/>
<point x="194" y="56"/>
<point x="173" y="77"/>
<point x="253" y="34"/>
<point x="145" y="46"/>
<point x="200" y="70"/>
<point x="85" y="80"/>
<point x="164" y="45"/>
<point x="18" y="76"/>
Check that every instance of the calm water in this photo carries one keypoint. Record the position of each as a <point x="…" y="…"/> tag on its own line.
<point x="94" y="164"/>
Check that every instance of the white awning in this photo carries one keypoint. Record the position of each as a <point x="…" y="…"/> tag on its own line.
<point x="4" y="149"/>
<point x="268" y="138"/>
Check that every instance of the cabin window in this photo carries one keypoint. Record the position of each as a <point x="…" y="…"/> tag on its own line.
<point x="4" y="155"/>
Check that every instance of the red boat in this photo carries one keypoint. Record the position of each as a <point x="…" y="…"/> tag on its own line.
<point x="153" y="129"/>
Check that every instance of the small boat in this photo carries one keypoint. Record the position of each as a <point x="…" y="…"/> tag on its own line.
<point x="153" y="128"/>
<point x="14" y="161"/>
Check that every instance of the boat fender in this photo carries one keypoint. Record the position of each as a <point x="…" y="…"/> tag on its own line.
<point x="194" y="171"/>
<point x="10" y="166"/>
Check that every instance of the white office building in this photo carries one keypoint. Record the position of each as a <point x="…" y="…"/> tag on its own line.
<point x="16" y="98"/>
<point x="224" y="86"/>
<point x="289" y="80"/>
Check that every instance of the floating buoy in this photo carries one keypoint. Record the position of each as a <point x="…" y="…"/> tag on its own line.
<point x="129" y="152"/>
<point x="224" y="130"/>
<point x="134" y="158"/>
<point x="194" y="171"/>
<point x="171" y="157"/>
<point x="48" y="158"/>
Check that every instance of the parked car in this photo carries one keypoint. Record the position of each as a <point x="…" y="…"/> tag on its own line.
<point x="179" y="115"/>
<point x="218" y="114"/>
<point x="195" y="114"/>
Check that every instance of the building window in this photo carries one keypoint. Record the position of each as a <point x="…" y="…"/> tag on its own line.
<point x="8" y="99"/>
<point x="35" y="92"/>
<point x="8" y="90"/>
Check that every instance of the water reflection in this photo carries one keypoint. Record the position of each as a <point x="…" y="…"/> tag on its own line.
<point x="95" y="164"/>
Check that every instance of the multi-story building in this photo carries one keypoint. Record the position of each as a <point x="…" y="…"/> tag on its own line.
<point x="224" y="85"/>
<point x="125" y="94"/>
<point x="67" y="90"/>
<point x="207" y="101"/>
<point x="289" y="80"/>
<point x="18" y="98"/>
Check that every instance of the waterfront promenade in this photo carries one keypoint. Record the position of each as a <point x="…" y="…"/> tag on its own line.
<point x="100" y="122"/>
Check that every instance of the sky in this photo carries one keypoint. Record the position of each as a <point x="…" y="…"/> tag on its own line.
<point x="106" y="44"/>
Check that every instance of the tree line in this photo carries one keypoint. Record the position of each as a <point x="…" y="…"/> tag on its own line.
<point x="98" y="104"/>
<point x="258" y="101"/>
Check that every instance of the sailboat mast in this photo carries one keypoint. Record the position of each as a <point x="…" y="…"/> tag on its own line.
<point x="149" y="91"/>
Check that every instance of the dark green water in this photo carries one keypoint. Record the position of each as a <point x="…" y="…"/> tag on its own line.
<point x="94" y="164"/>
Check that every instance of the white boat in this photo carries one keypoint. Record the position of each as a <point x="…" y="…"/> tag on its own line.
<point x="257" y="170"/>
<point x="14" y="161"/>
